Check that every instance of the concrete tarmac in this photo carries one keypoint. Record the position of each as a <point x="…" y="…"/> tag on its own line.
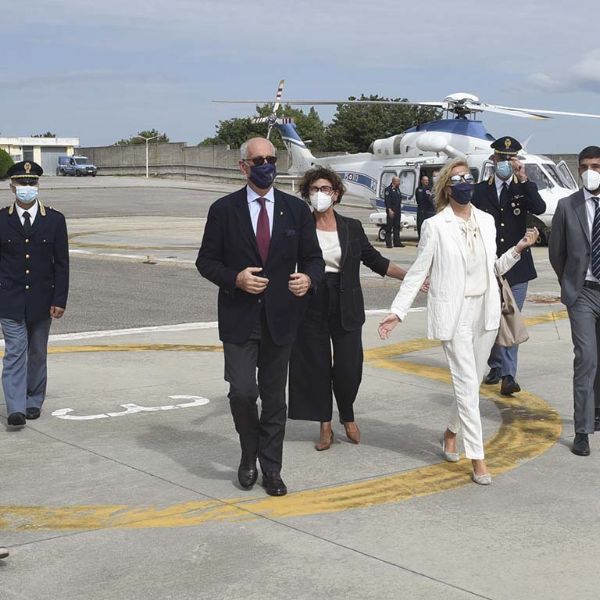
<point x="126" y="486"/>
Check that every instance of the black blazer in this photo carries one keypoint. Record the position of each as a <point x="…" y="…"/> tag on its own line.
<point x="355" y="249"/>
<point x="229" y="246"/>
<point x="511" y="220"/>
<point x="34" y="270"/>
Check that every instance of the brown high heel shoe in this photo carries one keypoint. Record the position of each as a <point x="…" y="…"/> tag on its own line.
<point x="325" y="440"/>
<point x="352" y="431"/>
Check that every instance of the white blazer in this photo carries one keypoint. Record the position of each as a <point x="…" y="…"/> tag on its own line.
<point x="442" y="256"/>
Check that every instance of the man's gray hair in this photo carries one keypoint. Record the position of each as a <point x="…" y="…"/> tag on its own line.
<point x="244" y="147"/>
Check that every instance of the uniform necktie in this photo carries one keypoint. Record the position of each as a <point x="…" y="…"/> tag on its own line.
<point x="504" y="195"/>
<point x="26" y="222"/>
<point x="263" y="231"/>
<point x="596" y="241"/>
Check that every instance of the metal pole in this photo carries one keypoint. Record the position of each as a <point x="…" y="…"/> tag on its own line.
<point x="147" y="158"/>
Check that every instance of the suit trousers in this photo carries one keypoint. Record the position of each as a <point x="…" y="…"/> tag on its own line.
<point x="24" y="372"/>
<point x="314" y="376"/>
<point x="467" y="353"/>
<point x="506" y="358"/>
<point x="393" y="227"/>
<point x="584" y="316"/>
<point x="258" y="367"/>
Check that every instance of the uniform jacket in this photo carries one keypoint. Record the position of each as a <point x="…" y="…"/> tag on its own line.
<point x="355" y="249"/>
<point x="34" y="270"/>
<point x="510" y="227"/>
<point x="392" y="198"/>
<point x="229" y="246"/>
<point x="442" y="255"/>
<point x="569" y="246"/>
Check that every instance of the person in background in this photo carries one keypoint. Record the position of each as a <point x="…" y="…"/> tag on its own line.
<point x="393" y="208"/>
<point x="458" y="252"/>
<point x="425" y="205"/>
<point x="335" y="314"/>
<point x="509" y="197"/>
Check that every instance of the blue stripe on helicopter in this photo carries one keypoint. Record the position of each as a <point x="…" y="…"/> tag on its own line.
<point x="288" y="132"/>
<point x="359" y="179"/>
<point x="298" y="143"/>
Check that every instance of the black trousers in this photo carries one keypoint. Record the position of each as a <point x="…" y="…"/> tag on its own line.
<point x="258" y="367"/>
<point x="392" y="227"/>
<point x="314" y="376"/>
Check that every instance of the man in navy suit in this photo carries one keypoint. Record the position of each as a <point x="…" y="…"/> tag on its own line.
<point x="509" y="197"/>
<point x="34" y="283"/>
<point x="260" y="247"/>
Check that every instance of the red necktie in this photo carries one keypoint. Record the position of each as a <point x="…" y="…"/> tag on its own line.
<point x="263" y="231"/>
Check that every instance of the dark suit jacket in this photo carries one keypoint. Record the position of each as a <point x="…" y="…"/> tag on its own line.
<point x="569" y="246"/>
<point x="229" y="246"/>
<point x="510" y="227"/>
<point x="355" y="249"/>
<point x="392" y="198"/>
<point x="425" y="205"/>
<point x="34" y="270"/>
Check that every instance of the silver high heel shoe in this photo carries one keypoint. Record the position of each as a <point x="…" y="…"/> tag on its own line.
<point x="449" y="456"/>
<point x="484" y="479"/>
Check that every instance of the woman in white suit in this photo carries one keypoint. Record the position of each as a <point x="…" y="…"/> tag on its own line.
<point x="457" y="251"/>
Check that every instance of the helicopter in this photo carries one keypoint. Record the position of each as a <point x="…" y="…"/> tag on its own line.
<point x="423" y="150"/>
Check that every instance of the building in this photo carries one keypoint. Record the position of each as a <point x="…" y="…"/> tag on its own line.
<point x="44" y="151"/>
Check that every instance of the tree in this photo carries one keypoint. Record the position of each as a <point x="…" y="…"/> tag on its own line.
<point x="355" y="126"/>
<point x="48" y="134"/>
<point x="137" y="139"/>
<point x="234" y="132"/>
<point x="5" y="163"/>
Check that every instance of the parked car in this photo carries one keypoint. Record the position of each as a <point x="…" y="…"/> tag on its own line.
<point x="75" y="165"/>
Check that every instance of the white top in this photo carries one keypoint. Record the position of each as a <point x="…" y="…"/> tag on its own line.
<point x="590" y="207"/>
<point x="32" y="210"/>
<point x="331" y="249"/>
<point x="254" y="206"/>
<point x="476" y="274"/>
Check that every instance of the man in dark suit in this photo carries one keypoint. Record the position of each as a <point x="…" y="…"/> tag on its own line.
<point x="424" y="199"/>
<point x="34" y="283"/>
<point x="509" y="196"/>
<point x="260" y="247"/>
<point x="574" y="250"/>
<point x="393" y="209"/>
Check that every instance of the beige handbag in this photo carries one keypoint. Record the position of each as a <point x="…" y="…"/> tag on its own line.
<point x="512" y="329"/>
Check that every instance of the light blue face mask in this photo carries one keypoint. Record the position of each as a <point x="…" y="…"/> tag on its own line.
<point x="26" y="193"/>
<point x="504" y="169"/>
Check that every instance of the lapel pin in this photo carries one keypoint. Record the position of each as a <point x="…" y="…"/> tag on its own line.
<point x="517" y="211"/>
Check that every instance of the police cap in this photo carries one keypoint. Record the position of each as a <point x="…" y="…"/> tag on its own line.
<point x="26" y="169"/>
<point x="506" y="146"/>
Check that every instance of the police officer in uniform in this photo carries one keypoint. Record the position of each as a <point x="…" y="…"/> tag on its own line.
<point x="425" y="206"/>
<point x="509" y="196"/>
<point x="34" y="282"/>
<point x="393" y="209"/>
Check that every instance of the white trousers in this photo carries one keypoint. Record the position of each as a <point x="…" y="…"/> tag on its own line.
<point x="467" y="353"/>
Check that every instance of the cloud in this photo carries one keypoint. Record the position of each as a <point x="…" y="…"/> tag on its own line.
<point x="583" y="76"/>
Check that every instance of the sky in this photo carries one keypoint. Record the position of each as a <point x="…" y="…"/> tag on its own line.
<point x="104" y="70"/>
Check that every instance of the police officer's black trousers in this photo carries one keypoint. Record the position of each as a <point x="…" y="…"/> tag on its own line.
<point x="392" y="228"/>
<point x="314" y="376"/>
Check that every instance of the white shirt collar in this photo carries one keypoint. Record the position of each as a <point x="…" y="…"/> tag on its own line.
<point x="252" y="195"/>
<point x="33" y="210"/>
<point x="588" y="195"/>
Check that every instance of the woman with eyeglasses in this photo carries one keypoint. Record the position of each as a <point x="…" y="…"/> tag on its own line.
<point x="458" y="252"/>
<point x="334" y="316"/>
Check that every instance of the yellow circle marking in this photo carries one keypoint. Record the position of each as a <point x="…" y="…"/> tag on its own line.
<point x="529" y="428"/>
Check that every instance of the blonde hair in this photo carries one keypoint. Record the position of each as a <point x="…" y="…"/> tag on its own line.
<point x="441" y="189"/>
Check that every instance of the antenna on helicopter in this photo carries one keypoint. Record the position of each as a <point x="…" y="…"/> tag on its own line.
<point x="273" y="119"/>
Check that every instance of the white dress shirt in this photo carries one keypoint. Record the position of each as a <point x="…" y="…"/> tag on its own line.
<point x="476" y="279"/>
<point x="590" y="207"/>
<point x="331" y="249"/>
<point x="33" y="210"/>
<point x="499" y="183"/>
<point x="254" y="207"/>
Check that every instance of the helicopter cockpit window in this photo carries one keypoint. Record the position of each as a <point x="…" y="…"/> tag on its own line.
<point x="407" y="183"/>
<point x="386" y="180"/>
<point x="566" y="175"/>
<point x="535" y="174"/>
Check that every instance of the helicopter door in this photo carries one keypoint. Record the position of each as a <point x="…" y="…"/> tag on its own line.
<point x="566" y="175"/>
<point x="408" y="180"/>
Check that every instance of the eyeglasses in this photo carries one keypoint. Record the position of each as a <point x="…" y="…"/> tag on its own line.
<point x="261" y="160"/>
<point x="326" y="189"/>
<point x="466" y="177"/>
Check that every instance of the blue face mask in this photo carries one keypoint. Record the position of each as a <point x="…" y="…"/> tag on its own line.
<point x="462" y="192"/>
<point x="26" y="193"/>
<point x="263" y="176"/>
<point x="504" y="169"/>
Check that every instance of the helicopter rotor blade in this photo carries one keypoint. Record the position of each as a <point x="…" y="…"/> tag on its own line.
<point x="504" y="110"/>
<point x="278" y="96"/>
<point x="554" y="112"/>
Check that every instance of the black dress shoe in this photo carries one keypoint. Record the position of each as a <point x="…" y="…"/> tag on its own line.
<point x="509" y="386"/>
<point x="399" y="245"/>
<point x="273" y="484"/>
<point x="16" y="419"/>
<point x="33" y="413"/>
<point x="247" y="475"/>
<point x="581" y="445"/>
<point x="493" y="376"/>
